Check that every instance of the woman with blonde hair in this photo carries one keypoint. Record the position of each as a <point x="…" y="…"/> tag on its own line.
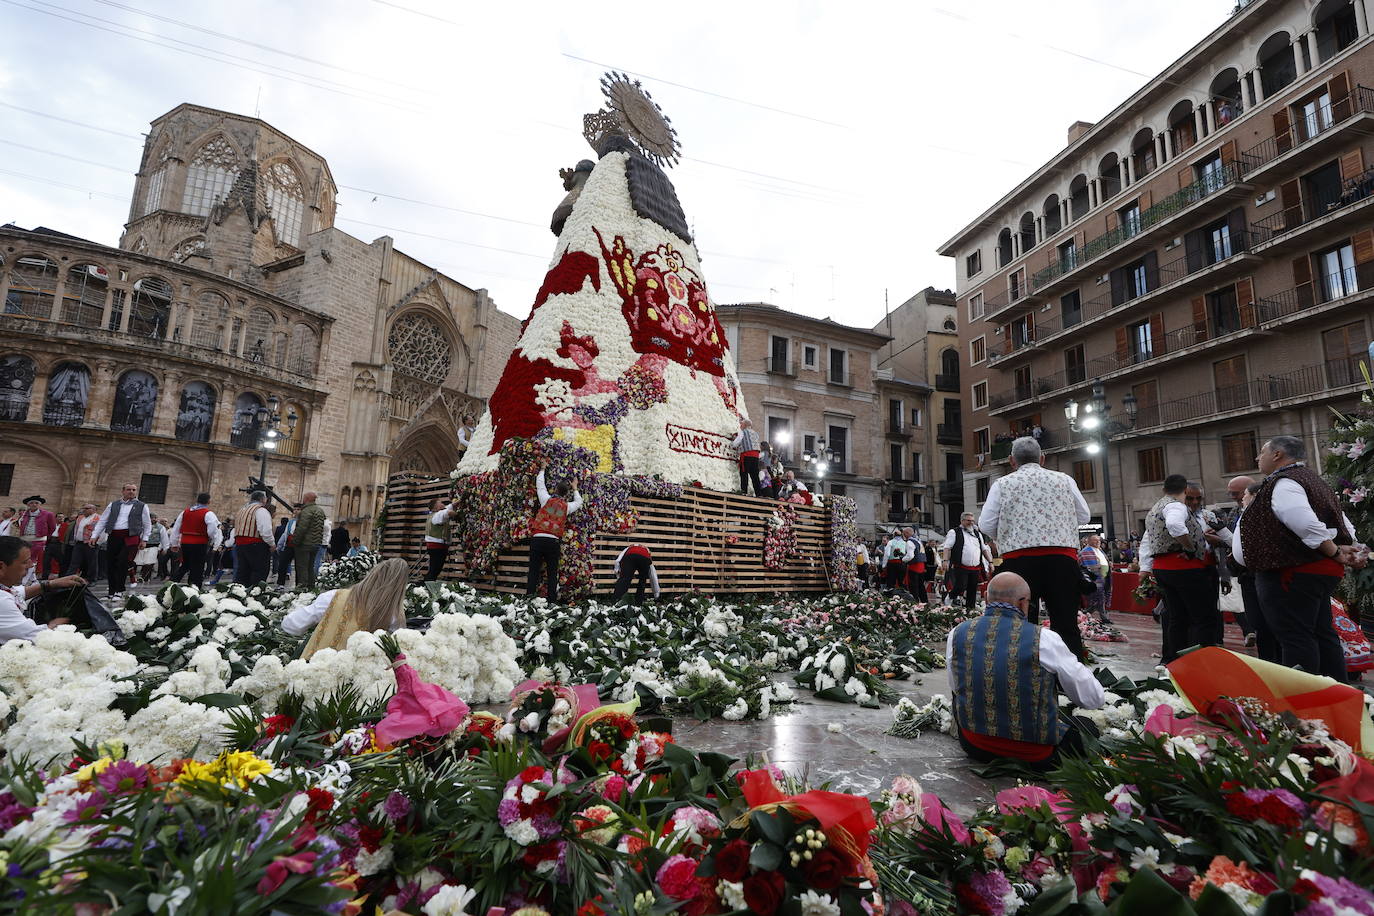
<point x="376" y="603"/>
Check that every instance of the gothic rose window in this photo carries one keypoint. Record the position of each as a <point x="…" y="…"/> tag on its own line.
<point x="416" y="346"/>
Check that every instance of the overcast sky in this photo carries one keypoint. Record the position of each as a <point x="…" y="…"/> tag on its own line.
<point x="829" y="147"/>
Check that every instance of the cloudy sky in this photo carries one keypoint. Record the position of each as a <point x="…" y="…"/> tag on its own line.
<point x="828" y="147"/>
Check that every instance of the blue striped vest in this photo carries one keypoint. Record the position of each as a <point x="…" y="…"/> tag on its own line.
<point x="1000" y="688"/>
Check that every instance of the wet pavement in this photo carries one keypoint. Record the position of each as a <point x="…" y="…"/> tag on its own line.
<point x="860" y="758"/>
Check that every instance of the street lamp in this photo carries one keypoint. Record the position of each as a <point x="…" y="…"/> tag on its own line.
<point x="818" y="462"/>
<point x="1096" y="420"/>
<point x="267" y="421"/>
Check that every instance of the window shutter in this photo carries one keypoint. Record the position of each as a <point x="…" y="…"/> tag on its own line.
<point x="1228" y="152"/>
<point x="1282" y="135"/>
<point x="1111" y="221"/>
<point x="1338" y="87"/>
<point x="1123" y="346"/>
<point x="1302" y="279"/>
<point x="1006" y="338"/>
<point x="1199" y="319"/>
<point x="1157" y="334"/>
<point x="1245" y="299"/>
<point x="1151" y="271"/>
<point x="1144" y="203"/>
<point x="1352" y="164"/>
<point x="1291" y="198"/>
<point x="1193" y="249"/>
<point x="1030" y="326"/>
<point x="1235" y="223"/>
<point x="1185" y="177"/>
<point x="1363" y="244"/>
<point x="1118" y="286"/>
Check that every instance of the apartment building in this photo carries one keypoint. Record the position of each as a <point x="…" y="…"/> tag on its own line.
<point x="919" y="391"/>
<point x="1204" y="254"/>
<point x="810" y="386"/>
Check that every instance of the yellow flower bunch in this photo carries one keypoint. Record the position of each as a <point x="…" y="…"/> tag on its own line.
<point x="237" y="768"/>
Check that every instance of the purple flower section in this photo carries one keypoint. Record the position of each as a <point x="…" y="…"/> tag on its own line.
<point x="1339" y="896"/>
<point x="993" y="888"/>
<point x="546" y="826"/>
<point x="11" y="812"/>
<point x="396" y="806"/>
<point x="86" y="808"/>
<point x="1283" y="795"/>
<point x="122" y="776"/>
<point x="508" y="812"/>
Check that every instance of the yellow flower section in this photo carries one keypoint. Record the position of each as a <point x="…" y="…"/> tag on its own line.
<point x="236" y="768"/>
<point x="600" y="440"/>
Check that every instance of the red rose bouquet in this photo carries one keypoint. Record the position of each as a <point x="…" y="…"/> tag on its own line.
<point x="811" y="847"/>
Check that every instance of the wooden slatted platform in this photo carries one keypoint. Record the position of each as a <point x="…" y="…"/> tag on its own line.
<point x="704" y="540"/>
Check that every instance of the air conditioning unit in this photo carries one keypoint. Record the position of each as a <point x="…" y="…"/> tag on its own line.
<point x="1264" y="198"/>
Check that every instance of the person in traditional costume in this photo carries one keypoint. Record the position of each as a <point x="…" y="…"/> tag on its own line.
<point x="1005" y="675"/>
<point x="1298" y="543"/>
<point x="376" y="603"/>
<point x="546" y="534"/>
<point x="35" y="525"/>
<point x="634" y="562"/>
<point x="436" y="536"/>
<point x="1176" y="551"/>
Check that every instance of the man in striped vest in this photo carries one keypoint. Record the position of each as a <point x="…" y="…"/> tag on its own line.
<point x="1005" y="674"/>
<point x="546" y="533"/>
<point x="1177" y="557"/>
<point x="253" y="541"/>
<point x="634" y="562"/>
<point x="196" y="533"/>
<point x="1033" y="515"/>
<point x="746" y="445"/>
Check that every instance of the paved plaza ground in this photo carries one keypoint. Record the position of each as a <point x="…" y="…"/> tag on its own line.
<point x="859" y="757"/>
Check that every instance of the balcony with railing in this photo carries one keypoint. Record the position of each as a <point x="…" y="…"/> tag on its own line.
<point x="28" y="315"/>
<point x="1342" y="288"/>
<point x="946" y="382"/>
<point x="898" y="430"/>
<point x="1311" y="136"/>
<point x="1331" y="378"/>
<point x="781" y="365"/>
<point x="1215" y="187"/>
<point x="1171" y="278"/>
<point x="1023" y="395"/>
<point x="949" y="433"/>
<point x="1048" y="439"/>
<point x="1280" y="230"/>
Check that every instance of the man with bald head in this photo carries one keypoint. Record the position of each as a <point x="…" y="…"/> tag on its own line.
<point x="1005" y="674"/>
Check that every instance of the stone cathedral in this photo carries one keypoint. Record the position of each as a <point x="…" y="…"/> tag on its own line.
<point x="232" y="290"/>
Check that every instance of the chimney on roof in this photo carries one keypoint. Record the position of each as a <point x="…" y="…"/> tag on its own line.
<point x="1078" y="129"/>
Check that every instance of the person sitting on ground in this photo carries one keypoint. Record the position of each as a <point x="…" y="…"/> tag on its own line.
<point x="376" y="603"/>
<point x="634" y="562"/>
<point x="998" y="663"/>
<point x="15" y="560"/>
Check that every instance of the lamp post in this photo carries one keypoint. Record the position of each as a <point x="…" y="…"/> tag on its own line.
<point x="267" y="421"/>
<point x="1098" y="422"/>
<point x="818" y="462"/>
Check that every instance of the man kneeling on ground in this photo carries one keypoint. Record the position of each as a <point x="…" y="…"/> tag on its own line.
<point x="1002" y="673"/>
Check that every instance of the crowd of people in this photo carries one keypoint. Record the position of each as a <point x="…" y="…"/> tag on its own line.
<point x="124" y="544"/>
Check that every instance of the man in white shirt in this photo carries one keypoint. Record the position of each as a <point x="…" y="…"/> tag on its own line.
<point x="7" y="521"/>
<point x="84" y="556"/>
<point x="1003" y="675"/>
<point x="253" y="541"/>
<point x="195" y="534"/>
<point x="1033" y="514"/>
<point x="1174" y="551"/>
<point x="970" y="556"/>
<point x="15" y="558"/>
<point x="895" y="555"/>
<point x="125" y="524"/>
<point x="1298" y="543"/>
<point x="436" y="537"/>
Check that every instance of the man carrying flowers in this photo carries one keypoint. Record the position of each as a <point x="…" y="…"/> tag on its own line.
<point x="1002" y="674"/>
<point x="546" y="533"/>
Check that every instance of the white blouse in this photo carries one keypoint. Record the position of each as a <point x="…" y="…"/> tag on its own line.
<point x="303" y="617"/>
